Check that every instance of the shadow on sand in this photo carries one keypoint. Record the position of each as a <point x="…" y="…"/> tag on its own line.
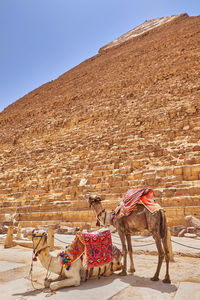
<point x="130" y="280"/>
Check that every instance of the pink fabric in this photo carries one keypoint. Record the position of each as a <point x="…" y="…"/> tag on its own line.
<point x="132" y="197"/>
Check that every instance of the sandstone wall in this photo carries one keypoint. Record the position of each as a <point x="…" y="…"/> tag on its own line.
<point x="128" y="117"/>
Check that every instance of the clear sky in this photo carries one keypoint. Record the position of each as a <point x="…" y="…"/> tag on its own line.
<point x="42" y="39"/>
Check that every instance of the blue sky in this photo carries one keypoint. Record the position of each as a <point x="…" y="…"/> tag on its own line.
<point x="42" y="39"/>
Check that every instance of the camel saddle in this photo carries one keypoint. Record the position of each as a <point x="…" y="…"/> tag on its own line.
<point x="134" y="197"/>
<point x="98" y="246"/>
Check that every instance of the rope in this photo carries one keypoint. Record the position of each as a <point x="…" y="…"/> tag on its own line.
<point x="141" y="245"/>
<point x="137" y="245"/>
<point x="135" y="238"/>
<point x="185" y="245"/>
<point x="61" y="241"/>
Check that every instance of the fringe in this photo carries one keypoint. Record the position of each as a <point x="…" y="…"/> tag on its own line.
<point x="99" y="273"/>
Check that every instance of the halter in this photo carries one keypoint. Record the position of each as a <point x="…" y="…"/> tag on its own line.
<point x="35" y="254"/>
<point x="39" y="251"/>
<point x="97" y="200"/>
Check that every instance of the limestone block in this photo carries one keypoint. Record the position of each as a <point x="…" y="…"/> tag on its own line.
<point x="192" y="210"/>
<point x="178" y="171"/>
<point x="97" y="174"/>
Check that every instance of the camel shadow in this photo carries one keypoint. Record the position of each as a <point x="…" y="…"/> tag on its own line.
<point x="129" y="280"/>
<point x="30" y="292"/>
<point x="92" y="284"/>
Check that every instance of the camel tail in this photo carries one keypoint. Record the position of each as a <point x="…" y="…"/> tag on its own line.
<point x="163" y="224"/>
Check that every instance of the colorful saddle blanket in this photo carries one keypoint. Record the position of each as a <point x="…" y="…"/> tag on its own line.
<point x="98" y="248"/>
<point x="134" y="197"/>
<point x="73" y="252"/>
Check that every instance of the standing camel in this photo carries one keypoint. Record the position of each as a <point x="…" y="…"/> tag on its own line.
<point x="76" y="273"/>
<point x="139" y="220"/>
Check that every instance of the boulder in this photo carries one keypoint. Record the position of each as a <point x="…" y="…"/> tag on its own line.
<point x="190" y="235"/>
<point x="182" y="232"/>
<point x="175" y="230"/>
<point x="192" y="221"/>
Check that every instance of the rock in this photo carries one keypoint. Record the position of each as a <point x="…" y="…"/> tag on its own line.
<point x="67" y="230"/>
<point x="190" y="235"/>
<point x="62" y="230"/>
<point x="198" y="232"/>
<point x="175" y="230"/>
<point x="3" y="229"/>
<point x="191" y="229"/>
<point x="182" y="232"/>
<point x="191" y="221"/>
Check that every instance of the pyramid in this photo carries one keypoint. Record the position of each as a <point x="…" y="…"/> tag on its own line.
<point x="129" y="117"/>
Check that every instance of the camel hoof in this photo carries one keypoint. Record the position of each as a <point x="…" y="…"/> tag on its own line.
<point x="166" y="280"/>
<point x="132" y="270"/>
<point x="154" y="278"/>
<point x="123" y="273"/>
<point x="47" y="283"/>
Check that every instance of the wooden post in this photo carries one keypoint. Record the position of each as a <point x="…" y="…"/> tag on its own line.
<point x="169" y="244"/>
<point x="9" y="238"/>
<point x="50" y="238"/>
<point x="19" y="232"/>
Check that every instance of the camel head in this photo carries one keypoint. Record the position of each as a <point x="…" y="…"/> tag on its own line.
<point x="95" y="203"/>
<point x="39" y="238"/>
<point x="94" y="200"/>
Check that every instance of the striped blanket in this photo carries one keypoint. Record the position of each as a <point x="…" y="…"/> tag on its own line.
<point x="134" y="197"/>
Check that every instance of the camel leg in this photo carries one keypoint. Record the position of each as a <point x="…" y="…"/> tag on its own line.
<point x="167" y="278"/>
<point x="48" y="281"/>
<point x="124" y="253"/>
<point x="160" y="257"/>
<point x="73" y="281"/>
<point x="130" y="252"/>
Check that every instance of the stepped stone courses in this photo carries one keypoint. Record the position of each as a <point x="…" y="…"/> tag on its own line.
<point x="128" y="117"/>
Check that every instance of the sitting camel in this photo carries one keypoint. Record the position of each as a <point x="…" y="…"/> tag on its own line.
<point x="76" y="273"/>
<point x="138" y="220"/>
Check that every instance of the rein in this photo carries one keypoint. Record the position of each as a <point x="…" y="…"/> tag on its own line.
<point x="104" y="219"/>
<point x="34" y="257"/>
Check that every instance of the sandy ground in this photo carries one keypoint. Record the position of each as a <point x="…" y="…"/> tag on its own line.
<point x="15" y="280"/>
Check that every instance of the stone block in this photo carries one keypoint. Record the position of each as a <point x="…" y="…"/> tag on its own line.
<point x="178" y="171"/>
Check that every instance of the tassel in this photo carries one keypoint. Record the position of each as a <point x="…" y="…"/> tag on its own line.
<point x="99" y="273"/>
<point x="104" y="270"/>
<point x="91" y="272"/>
<point x="86" y="275"/>
<point x="34" y="258"/>
<point x="111" y="267"/>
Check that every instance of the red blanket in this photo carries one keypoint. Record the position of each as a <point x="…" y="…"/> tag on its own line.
<point x="73" y="252"/>
<point x="130" y="200"/>
<point x="98" y="248"/>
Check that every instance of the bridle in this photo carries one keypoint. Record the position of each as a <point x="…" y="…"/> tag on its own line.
<point x="97" y="200"/>
<point x="35" y="254"/>
<point x="39" y="251"/>
<point x="99" y="215"/>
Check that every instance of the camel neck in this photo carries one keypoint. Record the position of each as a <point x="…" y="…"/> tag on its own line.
<point x="104" y="217"/>
<point x="49" y="262"/>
